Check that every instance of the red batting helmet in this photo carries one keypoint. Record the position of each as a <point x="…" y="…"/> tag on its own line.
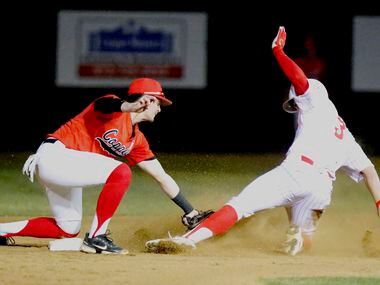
<point x="148" y="86"/>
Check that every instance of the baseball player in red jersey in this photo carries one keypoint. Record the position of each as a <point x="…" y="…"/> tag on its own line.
<point x="302" y="183"/>
<point x="87" y="151"/>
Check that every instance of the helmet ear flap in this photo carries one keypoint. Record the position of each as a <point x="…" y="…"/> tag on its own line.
<point x="290" y="106"/>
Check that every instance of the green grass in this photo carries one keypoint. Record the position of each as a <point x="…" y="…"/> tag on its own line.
<point x="216" y="177"/>
<point x="202" y="178"/>
<point x="324" y="281"/>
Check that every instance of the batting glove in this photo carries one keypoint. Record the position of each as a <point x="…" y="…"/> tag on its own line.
<point x="280" y="39"/>
<point x="29" y="167"/>
<point x="294" y="241"/>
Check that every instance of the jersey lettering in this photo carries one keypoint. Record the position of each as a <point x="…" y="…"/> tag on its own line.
<point x="112" y="145"/>
<point x="339" y="131"/>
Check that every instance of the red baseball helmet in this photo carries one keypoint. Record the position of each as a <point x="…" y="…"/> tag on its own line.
<point x="148" y="86"/>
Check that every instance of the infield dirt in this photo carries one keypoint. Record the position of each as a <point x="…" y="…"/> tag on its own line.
<point x="246" y="255"/>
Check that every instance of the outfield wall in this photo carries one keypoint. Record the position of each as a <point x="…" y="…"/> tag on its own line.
<point x="239" y="110"/>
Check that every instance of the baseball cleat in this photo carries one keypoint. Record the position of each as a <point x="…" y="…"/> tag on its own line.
<point x="294" y="241"/>
<point x="6" y="241"/>
<point x="101" y="244"/>
<point x="155" y="244"/>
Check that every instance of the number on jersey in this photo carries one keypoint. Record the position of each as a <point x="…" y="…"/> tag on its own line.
<point x="339" y="129"/>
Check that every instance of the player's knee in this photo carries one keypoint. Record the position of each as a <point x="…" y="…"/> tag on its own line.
<point x="309" y="224"/>
<point x="320" y="200"/>
<point x="121" y="174"/>
<point x="70" y="228"/>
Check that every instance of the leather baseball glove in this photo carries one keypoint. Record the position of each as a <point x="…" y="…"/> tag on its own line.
<point x="192" y="222"/>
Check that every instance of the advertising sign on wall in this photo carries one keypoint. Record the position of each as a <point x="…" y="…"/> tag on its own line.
<point x="109" y="49"/>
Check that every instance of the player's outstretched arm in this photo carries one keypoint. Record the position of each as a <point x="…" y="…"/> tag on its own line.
<point x="191" y="217"/>
<point x="372" y="182"/>
<point x="154" y="168"/>
<point x="292" y="71"/>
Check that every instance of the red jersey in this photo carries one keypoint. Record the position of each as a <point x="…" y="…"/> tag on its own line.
<point x="110" y="134"/>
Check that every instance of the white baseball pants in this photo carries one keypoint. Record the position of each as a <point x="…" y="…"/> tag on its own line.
<point x="64" y="172"/>
<point x="299" y="191"/>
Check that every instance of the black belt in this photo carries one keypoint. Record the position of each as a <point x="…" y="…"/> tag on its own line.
<point x="50" y="140"/>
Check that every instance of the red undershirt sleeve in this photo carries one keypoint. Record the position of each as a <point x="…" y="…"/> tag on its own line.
<point x="292" y="71"/>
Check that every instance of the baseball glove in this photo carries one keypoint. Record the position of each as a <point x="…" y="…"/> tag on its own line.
<point x="192" y="222"/>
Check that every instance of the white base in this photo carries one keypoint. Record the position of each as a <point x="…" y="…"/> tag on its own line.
<point x="65" y="244"/>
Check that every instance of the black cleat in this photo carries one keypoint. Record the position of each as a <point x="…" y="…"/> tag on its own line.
<point x="101" y="244"/>
<point x="7" y="241"/>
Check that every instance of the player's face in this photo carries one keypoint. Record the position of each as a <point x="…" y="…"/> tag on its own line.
<point x="151" y="111"/>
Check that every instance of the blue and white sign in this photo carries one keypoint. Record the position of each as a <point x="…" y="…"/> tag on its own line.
<point x="109" y="49"/>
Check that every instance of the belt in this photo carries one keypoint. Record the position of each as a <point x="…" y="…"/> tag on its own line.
<point x="50" y="140"/>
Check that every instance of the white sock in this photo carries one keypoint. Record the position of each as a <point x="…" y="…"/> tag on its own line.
<point x="199" y="235"/>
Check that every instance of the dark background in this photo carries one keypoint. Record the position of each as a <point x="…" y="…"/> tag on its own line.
<point x="239" y="111"/>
